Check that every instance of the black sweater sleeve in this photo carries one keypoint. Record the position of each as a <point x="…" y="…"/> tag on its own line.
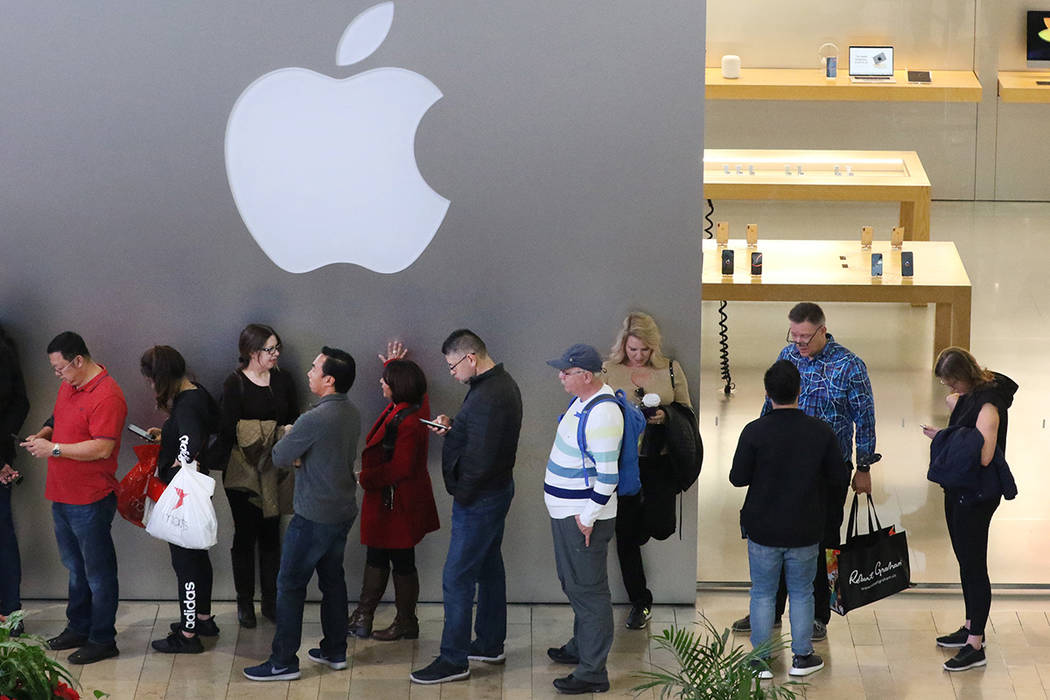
<point x="14" y="404"/>
<point x="190" y="417"/>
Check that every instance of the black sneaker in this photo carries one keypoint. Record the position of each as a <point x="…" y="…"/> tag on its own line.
<point x="968" y="657"/>
<point x="90" y="653"/>
<point x="805" y="665"/>
<point x="559" y="656"/>
<point x="639" y="617"/>
<point x="492" y="656"/>
<point x="178" y="643"/>
<point x="336" y="663"/>
<point x="67" y="639"/>
<point x="204" y="628"/>
<point x="955" y="640"/>
<point x="266" y="671"/>
<point x="18" y="630"/>
<point x="760" y="668"/>
<point x="439" y="671"/>
<point x="570" y="685"/>
<point x="744" y="624"/>
<point x="820" y="631"/>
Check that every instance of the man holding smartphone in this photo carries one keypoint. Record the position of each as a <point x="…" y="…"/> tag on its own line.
<point x="81" y="441"/>
<point x="836" y="389"/>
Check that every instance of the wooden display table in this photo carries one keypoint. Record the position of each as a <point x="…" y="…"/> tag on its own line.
<point x="810" y="84"/>
<point x="878" y="176"/>
<point x="1020" y="86"/>
<point x="840" y="271"/>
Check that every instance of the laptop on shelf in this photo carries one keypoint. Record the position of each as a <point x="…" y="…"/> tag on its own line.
<point x="871" y="64"/>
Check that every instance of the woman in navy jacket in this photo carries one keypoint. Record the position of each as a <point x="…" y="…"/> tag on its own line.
<point x="978" y="399"/>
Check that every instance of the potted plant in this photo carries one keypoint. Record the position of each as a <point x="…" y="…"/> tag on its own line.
<point x="708" y="668"/>
<point x="27" y="672"/>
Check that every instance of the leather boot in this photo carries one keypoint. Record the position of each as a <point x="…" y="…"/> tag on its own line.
<point x="244" y="583"/>
<point x="406" y="625"/>
<point x="269" y="565"/>
<point x="372" y="587"/>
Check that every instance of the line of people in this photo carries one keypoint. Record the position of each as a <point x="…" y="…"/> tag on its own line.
<point x="277" y="461"/>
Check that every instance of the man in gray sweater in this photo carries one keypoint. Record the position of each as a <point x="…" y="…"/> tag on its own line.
<point x="322" y="444"/>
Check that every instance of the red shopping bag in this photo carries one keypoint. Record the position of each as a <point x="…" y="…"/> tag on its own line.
<point x="135" y="487"/>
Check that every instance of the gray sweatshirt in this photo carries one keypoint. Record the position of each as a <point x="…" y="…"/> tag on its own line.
<point x="325" y="438"/>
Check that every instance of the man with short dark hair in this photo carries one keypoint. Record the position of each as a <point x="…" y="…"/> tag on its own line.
<point x="477" y="461"/>
<point x="789" y="461"/>
<point x="322" y="443"/>
<point x="835" y="388"/>
<point x="81" y="441"/>
<point x="581" y="501"/>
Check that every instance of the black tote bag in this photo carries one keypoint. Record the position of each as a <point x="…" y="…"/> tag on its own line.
<point x="867" y="568"/>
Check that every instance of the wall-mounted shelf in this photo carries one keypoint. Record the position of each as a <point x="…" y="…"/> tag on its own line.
<point x="810" y="84"/>
<point x="1020" y="86"/>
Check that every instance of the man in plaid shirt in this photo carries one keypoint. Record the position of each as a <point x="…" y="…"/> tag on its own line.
<point x="836" y="389"/>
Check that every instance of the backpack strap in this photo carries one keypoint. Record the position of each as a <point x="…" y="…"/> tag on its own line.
<point x="390" y="434"/>
<point x="581" y="432"/>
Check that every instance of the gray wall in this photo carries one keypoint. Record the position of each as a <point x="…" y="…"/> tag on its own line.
<point x="567" y="141"/>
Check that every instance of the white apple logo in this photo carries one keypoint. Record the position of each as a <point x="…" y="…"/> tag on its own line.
<point x="323" y="170"/>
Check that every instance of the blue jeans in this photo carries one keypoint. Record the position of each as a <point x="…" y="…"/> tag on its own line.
<point x="311" y="546"/>
<point x="10" y="563"/>
<point x="475" y="561"/>
<point x="799" y="565"/>
<point x="86" y="549"/>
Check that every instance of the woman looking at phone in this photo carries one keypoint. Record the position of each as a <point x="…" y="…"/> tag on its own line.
<point x="193" y="415"/>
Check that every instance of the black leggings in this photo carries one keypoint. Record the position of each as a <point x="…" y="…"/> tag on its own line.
<point x="403" y="561"/>
<point x="249" y="525"/>
<point x="968" y="527"/>
<point x="193" y="570"/>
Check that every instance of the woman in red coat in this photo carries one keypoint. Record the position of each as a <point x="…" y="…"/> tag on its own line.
<point x="398" y="507"/>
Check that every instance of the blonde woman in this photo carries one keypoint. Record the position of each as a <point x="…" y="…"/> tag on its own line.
<point x="637" y="365"/>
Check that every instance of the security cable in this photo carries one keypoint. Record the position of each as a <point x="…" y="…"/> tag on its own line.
<point x="723" y="328"/>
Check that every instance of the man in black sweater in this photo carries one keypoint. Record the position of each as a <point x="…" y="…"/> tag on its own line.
<point x="787" y="460"/>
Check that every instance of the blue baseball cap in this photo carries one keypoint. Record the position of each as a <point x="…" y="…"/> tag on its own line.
<point x="579" y="355"/>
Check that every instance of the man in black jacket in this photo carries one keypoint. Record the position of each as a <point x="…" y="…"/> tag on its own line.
<point x="788" y="461"/>
<point x="477" y="461"/>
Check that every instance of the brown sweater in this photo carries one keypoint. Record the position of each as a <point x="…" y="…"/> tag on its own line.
<point x="651" y="379"/>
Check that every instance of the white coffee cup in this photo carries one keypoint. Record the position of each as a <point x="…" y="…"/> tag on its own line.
<point x="730" y="66"/>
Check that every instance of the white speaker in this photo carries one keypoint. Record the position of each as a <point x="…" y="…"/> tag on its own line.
<point x="730" y="66"/>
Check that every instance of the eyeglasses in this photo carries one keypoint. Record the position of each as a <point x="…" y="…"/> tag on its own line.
<point x="273" y="349"/>
<point x="802" y="340"/>
<point x="452" y="367"/>
<point x="59" y="370"/>
<point x="570" y="372"/>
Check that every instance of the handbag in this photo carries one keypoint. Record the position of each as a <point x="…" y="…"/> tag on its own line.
<point x="184" y="514"/>
<point x="133" y="489"/>
<point x="867" y="568"/>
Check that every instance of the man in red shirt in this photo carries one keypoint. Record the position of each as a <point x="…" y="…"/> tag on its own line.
<point x="81" y="441"/>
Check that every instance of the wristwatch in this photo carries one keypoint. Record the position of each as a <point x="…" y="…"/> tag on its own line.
<point x="56" y="450"/>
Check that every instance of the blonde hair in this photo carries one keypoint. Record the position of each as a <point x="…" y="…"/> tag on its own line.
<point x="959" y="365"/>
<point x="642" y="326"/>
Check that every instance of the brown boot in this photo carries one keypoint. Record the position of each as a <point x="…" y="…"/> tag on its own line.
<point x="373" y="586"/>
<point x="406" y="625"/>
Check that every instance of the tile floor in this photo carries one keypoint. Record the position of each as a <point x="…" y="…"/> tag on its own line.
<point x="885" y="651"/>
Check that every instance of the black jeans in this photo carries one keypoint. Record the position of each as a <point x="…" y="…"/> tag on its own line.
<point x="402" y="561"/>
<point x="968" y="528"/>
<point x="834" y="504"/>
<point x="649" y="514"/>
<point x="193" y="570"/>
<point x="249" y="525"/>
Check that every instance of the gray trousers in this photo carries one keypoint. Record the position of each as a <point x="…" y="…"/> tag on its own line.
<point x="583" y="572"/>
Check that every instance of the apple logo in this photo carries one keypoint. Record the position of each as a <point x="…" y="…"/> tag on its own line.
<point x="323" y="170"/>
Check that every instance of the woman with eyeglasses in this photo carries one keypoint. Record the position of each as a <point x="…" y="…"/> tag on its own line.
<point x="193" y="414"/>
<point x="398" y="508"/>
<point x="259" y="402"/>
<point x="979" y="399"/>
<point x="637" y="365"/>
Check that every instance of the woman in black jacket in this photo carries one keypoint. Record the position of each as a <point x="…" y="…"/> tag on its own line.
<point x="14" y="405"/>
<point x="978" y="399"/>
<point x="193" y="414"/>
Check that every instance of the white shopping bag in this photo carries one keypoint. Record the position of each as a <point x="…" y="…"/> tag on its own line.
<point x="184" y="515"/>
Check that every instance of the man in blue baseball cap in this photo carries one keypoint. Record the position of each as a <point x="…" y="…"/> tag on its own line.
<point x="581" y="501"/>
